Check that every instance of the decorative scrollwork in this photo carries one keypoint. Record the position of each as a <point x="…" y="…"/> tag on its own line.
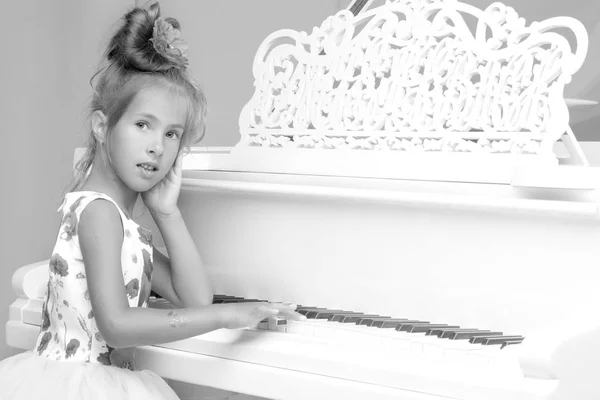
<point x="411" y="68"/>
<point x="414" y="144"/>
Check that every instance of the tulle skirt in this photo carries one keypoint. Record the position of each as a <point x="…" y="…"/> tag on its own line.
<point x="27" y="376"/>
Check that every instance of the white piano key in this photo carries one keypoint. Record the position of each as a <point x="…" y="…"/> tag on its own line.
<point x="397" y="344"/>
<point x="303" y="328"/>
<point x="421" y="343"/>
<point x="282" y="328"/>
<point x="263" y="325"/>
<point x="273" y="323"/>
<point x="433" y="349"/>
<point x="415" y="344"/>
<point x="372" y="337"/>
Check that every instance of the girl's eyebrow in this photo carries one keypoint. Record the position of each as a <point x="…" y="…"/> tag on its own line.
<point x="154" y="119"/>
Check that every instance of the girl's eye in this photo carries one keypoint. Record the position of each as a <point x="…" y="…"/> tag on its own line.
<point x="141" y="125"/>
<point x="172" y="135"/>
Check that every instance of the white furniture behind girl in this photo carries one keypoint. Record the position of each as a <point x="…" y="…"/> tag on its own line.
<point x="395" y="163"/>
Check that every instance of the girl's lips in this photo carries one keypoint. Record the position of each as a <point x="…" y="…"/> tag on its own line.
<point x="147" y="173"/>
<point x="151" y="166"/>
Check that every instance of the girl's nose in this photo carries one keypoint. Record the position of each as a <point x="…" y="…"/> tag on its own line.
<point x="156" y="148"/>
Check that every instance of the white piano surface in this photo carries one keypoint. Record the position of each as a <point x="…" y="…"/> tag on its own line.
<point x="498" y="257"/>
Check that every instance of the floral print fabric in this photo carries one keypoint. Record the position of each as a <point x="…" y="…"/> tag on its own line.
<point x="68" y="331"/>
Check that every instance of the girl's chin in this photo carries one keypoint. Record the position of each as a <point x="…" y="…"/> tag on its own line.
<point x="140" y="181"/>
<point x="140" y="186"/>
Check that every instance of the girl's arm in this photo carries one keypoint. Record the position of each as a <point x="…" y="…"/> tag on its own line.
<point x="183" y="270"/>
<point x="100" y="233"/>
<point x="181" y="278"/>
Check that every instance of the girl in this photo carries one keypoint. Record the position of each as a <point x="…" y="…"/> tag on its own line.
<point x="145" y="112"/>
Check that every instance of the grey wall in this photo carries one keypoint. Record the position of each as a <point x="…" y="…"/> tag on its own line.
<point x="49" y="52"/>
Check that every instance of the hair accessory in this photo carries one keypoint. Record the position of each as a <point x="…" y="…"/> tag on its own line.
<point x="166" y="41"/>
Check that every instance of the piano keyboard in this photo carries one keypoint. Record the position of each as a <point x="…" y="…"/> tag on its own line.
<point x="417" y="337"/>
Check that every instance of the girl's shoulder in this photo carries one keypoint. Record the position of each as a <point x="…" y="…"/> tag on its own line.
<point x="75" y="202"/>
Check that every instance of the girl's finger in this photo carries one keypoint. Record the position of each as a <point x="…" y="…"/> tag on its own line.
<point x="283" y="306"/>
<point x="287" y="311"/>
<point x="177" y="166"/>
<point x="268" y="311"/>
<point x="292" y="315"/>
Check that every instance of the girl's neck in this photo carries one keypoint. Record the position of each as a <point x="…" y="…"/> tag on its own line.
<point x="115" y="189"/>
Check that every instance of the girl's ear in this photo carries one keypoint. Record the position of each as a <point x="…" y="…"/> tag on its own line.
<point x="99" y="125"/>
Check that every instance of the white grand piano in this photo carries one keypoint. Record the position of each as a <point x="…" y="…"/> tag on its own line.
<point x="415" y="186"/>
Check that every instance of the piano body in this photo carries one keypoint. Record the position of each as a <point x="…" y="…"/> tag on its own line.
<point x="396" y="170"/>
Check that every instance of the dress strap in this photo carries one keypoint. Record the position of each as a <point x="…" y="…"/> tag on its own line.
<point x="78" y="201"/>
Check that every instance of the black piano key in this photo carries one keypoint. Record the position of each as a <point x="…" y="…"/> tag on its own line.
<point x="407" y="325"/>
<point x="303" y="307"/>
<point x="352" y="318"/>
<point x="439" y="332"/>
<point x="480" y="339"/>
<point x="418" y="328"/>
<point x="328" y="314"/>
<point x="369" y="320"/>
<point x="388" y="323"/>
<point x="469" y="335"/>
<point x="501" y="341"/>
<point x="308" y="313"/>
<point x="452" y="334"/>
<point x="304" y="310"/>
<point x="227" y="301"/>
<point x="509" y="342"/>
<point x="338" y="316"/>
<point x="218" y="298"/>
<point x="321" y="314"/>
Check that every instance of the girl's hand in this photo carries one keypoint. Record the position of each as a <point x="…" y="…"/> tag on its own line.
<point x="248" y="315"/>
<point x="161" y="199"/>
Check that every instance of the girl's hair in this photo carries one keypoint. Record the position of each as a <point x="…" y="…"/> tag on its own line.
<point x="132" y="63"/>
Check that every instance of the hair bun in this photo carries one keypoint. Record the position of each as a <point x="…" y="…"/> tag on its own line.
<point x="148" y="42"/>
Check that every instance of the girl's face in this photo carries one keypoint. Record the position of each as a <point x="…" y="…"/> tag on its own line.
<point x="145" y="142"/>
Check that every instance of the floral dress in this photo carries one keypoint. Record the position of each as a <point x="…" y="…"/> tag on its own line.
<point x="71" y="360"/>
